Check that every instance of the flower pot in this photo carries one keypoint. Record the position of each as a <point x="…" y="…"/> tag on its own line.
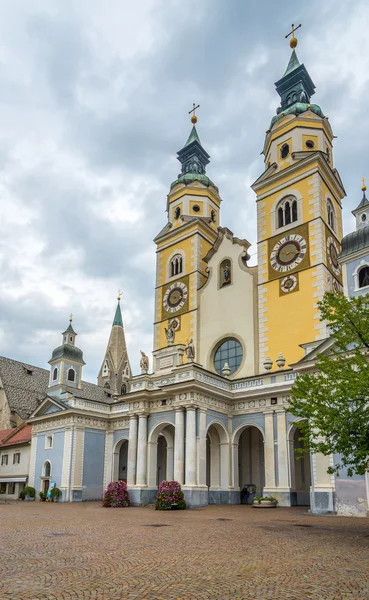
<point x="265" y="504"/>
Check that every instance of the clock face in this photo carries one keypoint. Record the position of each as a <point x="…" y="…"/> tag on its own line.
<point x="289" y="283"/>
<point x="175" y="297"/>
<point x="288" y="253"/>
<point x="332" y="252"/>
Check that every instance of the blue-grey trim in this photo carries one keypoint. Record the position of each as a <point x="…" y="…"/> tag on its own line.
<point x="213" y="415"/>
<point x="156" y="418"/>
<point x="249" y="419"/>
<point x="120" y="434"/>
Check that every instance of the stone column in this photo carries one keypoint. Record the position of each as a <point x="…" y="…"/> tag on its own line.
<point x="269" y="452"/>
<point x="283" y="470"/>
<point x="179" y="446"/>
<point x="132" y="451"/>
<point x="202" y="447"/>
<point x="142" y="451"/>
<point x="108" y="460"/>
<point x="190" y="446"/>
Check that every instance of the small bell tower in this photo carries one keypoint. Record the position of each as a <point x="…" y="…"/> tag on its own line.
<point x="66" y="364"/>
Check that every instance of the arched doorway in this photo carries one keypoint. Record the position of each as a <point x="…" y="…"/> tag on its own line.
<point x="46" y="476"/>
<point x="249" y="466"/>
<point x="160" y="454"/>
<point x="120" y="460"/>
<point x="300" y="469"/>
<point x="217" y="459"/>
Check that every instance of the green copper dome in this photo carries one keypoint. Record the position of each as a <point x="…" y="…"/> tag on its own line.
<point x="68" y="352"/>
<point x="355" y="241"/>
<point x="297" y="109"/>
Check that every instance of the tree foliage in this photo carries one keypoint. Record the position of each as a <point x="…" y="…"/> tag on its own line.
<point x="334" y="399"/>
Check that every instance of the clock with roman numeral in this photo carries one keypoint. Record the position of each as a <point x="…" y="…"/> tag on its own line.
<point x="288" y="253"/>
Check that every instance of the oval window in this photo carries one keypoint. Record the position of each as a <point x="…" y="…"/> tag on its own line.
<point x="177" y="212"/>
<point x="309" y="144"/>
<point x="230" y="351"/>
<point x="196" y="208"/>
<point x="285" y="150"/>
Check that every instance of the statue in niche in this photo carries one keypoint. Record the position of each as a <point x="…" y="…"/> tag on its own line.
<point x="190" y="351"/>
<point x="225" y="273"/>
<point x="170" y="334"/>
<point x="144" y="363"/>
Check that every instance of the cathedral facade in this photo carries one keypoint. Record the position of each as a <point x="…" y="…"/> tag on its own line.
<point x="213" y="413"/>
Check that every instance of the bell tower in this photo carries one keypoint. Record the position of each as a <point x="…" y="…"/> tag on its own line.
<point x="299" y="216"/>
<point x="193" y="206"/>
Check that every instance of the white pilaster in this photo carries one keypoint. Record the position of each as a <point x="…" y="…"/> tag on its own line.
<point x="142" y="451"/>
<point x="190" y="446"/>
<point x="179" y="446"/>
<point x="66" y="469"/>
<point x="108" y="459"/>
<point x="132" y="451"/>
<point x="202" y="447"/>
<point x="269" y="451"/>
<point x="32" y="461"/>
<point x="283" y="470"/>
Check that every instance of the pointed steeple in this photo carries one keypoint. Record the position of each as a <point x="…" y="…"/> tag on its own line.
<point x="193" y="158"/>
<point x="295" y="89"/>
<point x="118" y="316"/>
<point x="293" y="63"/>
<point x="115" y="371"/>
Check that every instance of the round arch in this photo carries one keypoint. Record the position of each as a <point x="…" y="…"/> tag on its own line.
<point x="120" y="454"/>
<point x="217" y="456"/>
<point x="47" y="468"/>
<point x="299" y="468"/>
<point x="248" y="456"/>
<point x="165" y="430"/>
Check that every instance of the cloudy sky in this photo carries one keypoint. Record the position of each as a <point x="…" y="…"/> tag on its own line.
<point x="94" y="101"/>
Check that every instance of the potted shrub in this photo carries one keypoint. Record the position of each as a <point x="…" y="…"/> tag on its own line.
<point x="42" y="496"/>
<point x="116" y="495"/>
<point x="28" y="492"/>
<point x="170" y="496"/>
<point x="55" y="494"/>
<point x="264" y="502"/>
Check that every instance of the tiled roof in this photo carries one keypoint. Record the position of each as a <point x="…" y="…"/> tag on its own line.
<point x="4" y="433"/>
<point x="26" y="386"/>
<point x="21" y="435"/>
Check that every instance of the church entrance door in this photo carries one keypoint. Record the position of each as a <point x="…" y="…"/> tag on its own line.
<point x="300" y="470"/>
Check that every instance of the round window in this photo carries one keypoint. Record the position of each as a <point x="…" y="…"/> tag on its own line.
<point x="309" y="144"/>
<point x="285" y="150"/>
<point x="363" y="217"/>
<point x="230" y="351"/>
<point x="196" y="208"/>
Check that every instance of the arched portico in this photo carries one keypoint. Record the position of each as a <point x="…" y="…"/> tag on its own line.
<point x="160" y="448"/>
<point x="120" y="460"/>
<point x="217" y="457"/>
<point x="248" y="457"/>
<point x="300" y="468"/>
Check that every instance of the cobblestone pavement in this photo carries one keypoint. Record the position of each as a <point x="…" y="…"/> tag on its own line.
<point x="60" y="552"/>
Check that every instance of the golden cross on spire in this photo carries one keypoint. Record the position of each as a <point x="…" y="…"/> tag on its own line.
<point x="293" y="40"/>
<point x="120" y="294"/>
<point x="363" y="180"/>
<point x="70" y="318"/>
<point x="193" y="110"/>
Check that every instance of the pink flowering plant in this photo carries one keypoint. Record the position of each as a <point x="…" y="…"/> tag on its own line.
<point x="116" y="495"/>
<point x="170" y="496"/>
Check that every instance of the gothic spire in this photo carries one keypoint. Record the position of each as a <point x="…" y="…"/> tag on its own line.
<point x="115" y="371"/>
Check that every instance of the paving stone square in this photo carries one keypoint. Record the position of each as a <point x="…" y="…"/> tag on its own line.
<point x="84" y="551"/>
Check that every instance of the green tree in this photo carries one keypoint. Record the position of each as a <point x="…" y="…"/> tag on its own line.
<point x="334" y="399"/>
